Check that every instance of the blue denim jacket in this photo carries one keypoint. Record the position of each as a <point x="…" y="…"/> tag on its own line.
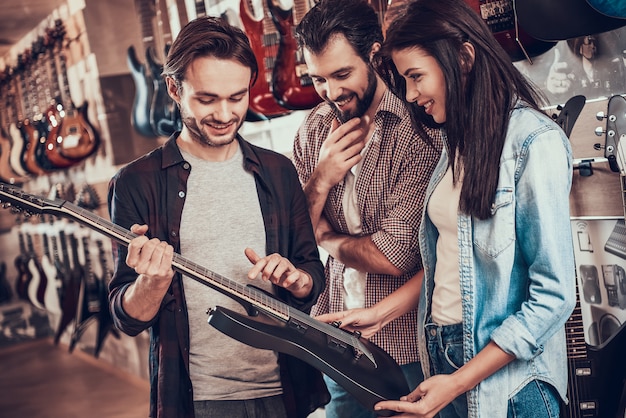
<point x="517" y="270"/>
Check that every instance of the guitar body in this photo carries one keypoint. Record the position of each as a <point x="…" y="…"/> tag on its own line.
<point x="52" y="146"/>
<point x="51" y="299"/>
<point x="163" y="116"/>
<point x="88" y="306"/>
<point x="80" y="139"/>
<point x="557" y="20"/>
<point x="6" y="294"/>
<point x="7" y="174"/>
<point x="31" y="134"/>
<point x="357" y="375"/>
<point x="140" y="116"/>
<point x="597" y="374"/>
<point x="17" y="146"/>
<point x="261" y="97"/>
<point x="23" y="276"/>
<point x="500" y="16"/>
<point x="71" y="288"/>
<point x="291" y="85"/>
<point x="37" y="283"/>
<point x="105" y="320"/>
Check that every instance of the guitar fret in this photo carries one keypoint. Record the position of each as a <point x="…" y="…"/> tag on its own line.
<point x="13" y="196"/>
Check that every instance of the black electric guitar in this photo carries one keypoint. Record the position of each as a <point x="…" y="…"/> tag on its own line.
<point x="88" y="306"/>
<point x="597" y="374"/>
<point x="569" y="112"/>
<point x="144" y="88"/>
<point x="105" y="320"/>
<point x="361" y="367"/>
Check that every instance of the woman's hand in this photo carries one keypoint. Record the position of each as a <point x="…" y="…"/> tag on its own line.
<point x="366" y="321"/>
<point x="430" y="397"/>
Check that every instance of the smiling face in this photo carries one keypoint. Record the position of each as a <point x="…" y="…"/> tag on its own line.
<point x="213" y="101"/>
<point x="425" y="82"/>
<point x="342" y="78"/>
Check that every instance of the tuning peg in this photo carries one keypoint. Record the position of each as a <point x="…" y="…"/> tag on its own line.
<point x="599" y="131"/>
<point x="600" y="115"/>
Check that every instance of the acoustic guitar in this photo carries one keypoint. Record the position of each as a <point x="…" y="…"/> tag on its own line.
<point x="291" y="85"/>
<point x="361" y="367"/>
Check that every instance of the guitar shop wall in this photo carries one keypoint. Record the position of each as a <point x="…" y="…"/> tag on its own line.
<point x="97" y="61"/>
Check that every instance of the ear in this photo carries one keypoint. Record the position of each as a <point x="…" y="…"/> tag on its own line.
<point x="375" y="48"/>
<point x="467" y="56"/>
<point x="172" y="89"/>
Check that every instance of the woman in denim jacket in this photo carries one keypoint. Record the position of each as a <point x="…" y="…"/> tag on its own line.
<point x="499" y="273"/>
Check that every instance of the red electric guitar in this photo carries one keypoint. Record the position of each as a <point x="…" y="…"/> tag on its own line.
<point x="291" y="84"/>
<point x="264" y="41"/>
<point x="501" y="17"/>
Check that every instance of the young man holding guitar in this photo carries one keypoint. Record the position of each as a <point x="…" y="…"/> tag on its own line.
<point x="222" y="202"/>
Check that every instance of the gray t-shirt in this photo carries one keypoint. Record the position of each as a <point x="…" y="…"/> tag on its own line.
<point x="221" y="217"/>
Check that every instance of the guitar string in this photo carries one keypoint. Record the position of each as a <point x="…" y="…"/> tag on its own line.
<point x="269" y="305"/>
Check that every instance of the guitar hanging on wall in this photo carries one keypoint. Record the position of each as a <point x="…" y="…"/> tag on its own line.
<point x="501" y="17"/>
<point x="597" y="373"/>
<point x="291" y="85"/>
<point x="144" y="88"/>
<point x="264" y="41"/>
<point x="362" y="368"/>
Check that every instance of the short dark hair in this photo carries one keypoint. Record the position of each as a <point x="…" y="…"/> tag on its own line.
<point x="208" y="37"/>
<point x="354" y="19"/>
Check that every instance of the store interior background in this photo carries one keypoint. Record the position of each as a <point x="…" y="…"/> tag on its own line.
<point x="98" y="73"/>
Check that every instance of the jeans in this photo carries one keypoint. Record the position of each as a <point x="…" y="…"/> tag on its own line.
<point x="344" y="405"/>
<point x="269" y="407"/>
<point x="537" y="399"/>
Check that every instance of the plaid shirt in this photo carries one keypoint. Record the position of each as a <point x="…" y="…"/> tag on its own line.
<point x="151" y="191"/>
<point x="390" y="189"/>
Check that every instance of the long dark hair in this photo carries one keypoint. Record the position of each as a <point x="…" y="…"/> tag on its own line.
<point x="478" y="102"/>
<point x="208" y="37"/>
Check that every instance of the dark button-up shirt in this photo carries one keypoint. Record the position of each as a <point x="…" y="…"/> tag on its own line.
<point x="151" y="190"/>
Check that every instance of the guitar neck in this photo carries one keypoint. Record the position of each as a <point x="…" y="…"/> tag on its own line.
<point x="259" y="300"/>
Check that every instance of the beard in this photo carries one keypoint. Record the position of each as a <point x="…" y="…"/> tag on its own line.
<point x="202" y="137"/>
<point x="362" y="104"/>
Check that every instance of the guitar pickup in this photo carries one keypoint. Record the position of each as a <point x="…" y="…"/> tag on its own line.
<point x="337" y="345"/>
<point x="297" y="326"/>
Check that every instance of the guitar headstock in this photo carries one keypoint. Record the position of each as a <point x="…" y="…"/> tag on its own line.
<point x="569" y="112"/>
<point x="614" y="133"/>
<point x="18" y="201"/>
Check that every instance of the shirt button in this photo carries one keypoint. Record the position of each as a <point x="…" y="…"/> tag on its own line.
<point x="181" y="194"/>
<point x="173" y="233"/>
<point x="186" y="166"/>
<point x="433" y="332"/>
